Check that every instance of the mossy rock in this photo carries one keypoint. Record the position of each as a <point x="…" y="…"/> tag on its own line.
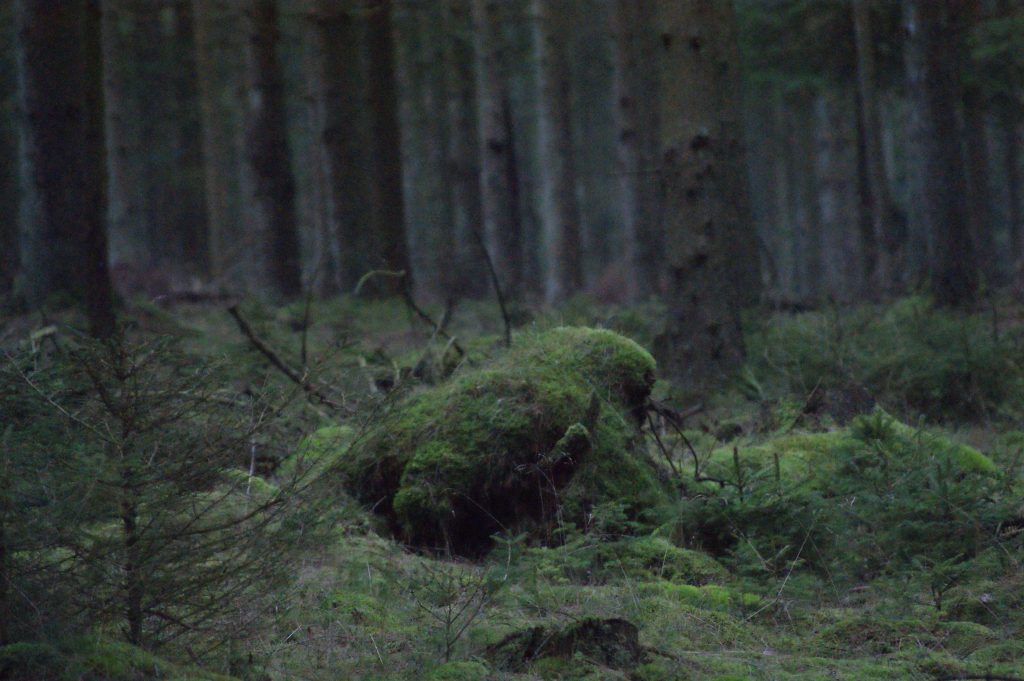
<point x="544" y="433"/>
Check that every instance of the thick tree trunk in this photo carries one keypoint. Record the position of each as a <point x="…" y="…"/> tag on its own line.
<point x="707" y="216"/>
<point x="881" y="213"/>
<point x="499" y="182"/>
<point x="635" y="83"/>
<point x="937" y="96"/>
<point x="387" y="201"/>
<point x="560" y="211"/>
<point x="344" y="124"/>
<point x="462" y="156"/>
<point x="64" y="211"/>
<point x="267" y="164"/>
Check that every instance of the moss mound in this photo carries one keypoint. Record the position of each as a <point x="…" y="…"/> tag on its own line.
<point x="544" y="433"/>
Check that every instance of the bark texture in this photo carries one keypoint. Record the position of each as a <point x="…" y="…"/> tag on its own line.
<point x="709" y="242"/>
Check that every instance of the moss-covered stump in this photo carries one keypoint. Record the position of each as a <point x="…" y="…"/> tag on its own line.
<point x="542" y="434"/>
<point x="613" y="643"/>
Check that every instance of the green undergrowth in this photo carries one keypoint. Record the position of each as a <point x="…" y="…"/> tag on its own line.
<point x="879" y="546"/>
<point x="915" y="358"/>
<point x="876" y="498"/>
<point x="93" y="660"/>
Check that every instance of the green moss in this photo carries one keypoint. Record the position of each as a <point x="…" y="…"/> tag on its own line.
<point x="547" y="430"/>
<point x="318" y="451"/>
<point x="709" y="596"/>
<point x="660" y="558"/>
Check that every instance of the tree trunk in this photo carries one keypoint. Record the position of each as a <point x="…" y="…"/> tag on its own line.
<point x="499" y="183"/>
<point x="635" y="84"/>
<point x="881" y="214"/>
<point x="809" y="192"/>
<point x="216" y="143"/>
<point x="1011" y="134"/>
<point x="340" y="41"/>
<point x="707" y="216"/>
<point x="188" y="201"/>
<point x="937" y="95"/>
<point x="980" y="199"/>
<point x="64" y="211"/>
<point x="387" y="201"/>
<point x="560" y="211"/>
<point x="267" y="164"/>
<point x="326" y="268"/>
<point x="462" y="156"/>
<point x="838" y="194"/>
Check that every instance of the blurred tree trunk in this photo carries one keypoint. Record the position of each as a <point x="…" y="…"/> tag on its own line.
<point x="8" y="167"/>
<point x="216" y="141"/>
<point x="64" y="208"/>
<point x="387" y="200"/>
<point x="340" y="42"/>
<point x="269" y="182"/>
<point x="462" y="156"/>
<point x="921" y="240"/>
<point x="838" y="192"/>
<point x="499" y="181"/>
<point x="980" y="198"/>
<point x="808" y="191"/>
<point x="781" y="152"/>
<point x="188" y="202"/>
<point x="129" y="232"/>
<point x="560" y="211"/>
<point x="881" y="217"/>
<point x="934" y="34"/>
<point x="325" y="276"/>
<point x="635" y="111"/>
<point x="1011" y="134"/>
<point x="707" y="212"/>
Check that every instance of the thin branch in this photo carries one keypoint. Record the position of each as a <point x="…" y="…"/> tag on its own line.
<point x="497" y="287"/>
<point x="277" y="362"/>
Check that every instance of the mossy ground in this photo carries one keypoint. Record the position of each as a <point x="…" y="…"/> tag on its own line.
<point x="886" y="548"/>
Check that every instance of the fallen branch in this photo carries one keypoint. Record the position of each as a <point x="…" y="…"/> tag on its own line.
<point x="279" y="363"/>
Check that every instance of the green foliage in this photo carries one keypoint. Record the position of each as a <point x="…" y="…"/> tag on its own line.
<point x="912" y="357"/>
<point x="129" y="501"/>
<point x="876" y="498"/>
<point x="94" y="660"/>
<point x="543" y="433"/>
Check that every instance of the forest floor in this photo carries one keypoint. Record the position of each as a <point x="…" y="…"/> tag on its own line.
<point x="848" y="507"/>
